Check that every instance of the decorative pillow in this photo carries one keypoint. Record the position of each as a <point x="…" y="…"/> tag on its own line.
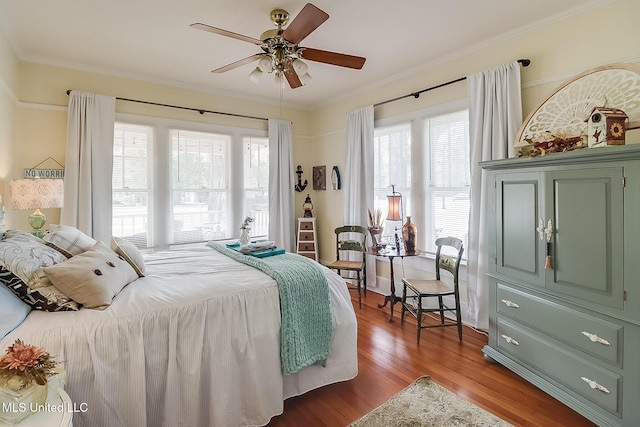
<point x="13" y="310"/>
<point x="69" y="239"/>
<point x="94" y="277"/>
<point x="59" y="249"/>
<point x="130" y="253"/>
<point x="25" y="254"/>
<point x="36" y="299"/>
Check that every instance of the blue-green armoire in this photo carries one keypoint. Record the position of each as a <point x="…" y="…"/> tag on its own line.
<point x="564" y="277"/>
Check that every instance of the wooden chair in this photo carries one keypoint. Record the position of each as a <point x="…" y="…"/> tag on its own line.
<point x="435" y="289"/>
<point x="351" y="245"/>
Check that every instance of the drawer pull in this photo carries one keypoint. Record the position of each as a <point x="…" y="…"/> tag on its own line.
<point x="510" y="303"/>
<point x="595" y="385"/>
<point x="595" y="338"/>
<point x="510" y="340"/>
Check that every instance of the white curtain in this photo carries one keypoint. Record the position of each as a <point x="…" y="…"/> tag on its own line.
<point x="281" y="185"/>
<point x="89" y="162"/>
<point x="358" y="173"/>
<point x="495" y="116"/>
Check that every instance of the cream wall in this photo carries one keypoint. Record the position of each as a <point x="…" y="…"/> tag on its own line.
<point x="40" y="117"/>
<point x="557" y="51"/>
<point x="8" y="86"/>
<point x="33" y="100"/>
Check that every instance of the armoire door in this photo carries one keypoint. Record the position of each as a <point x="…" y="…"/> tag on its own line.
<point x="519" y="251"/>
<point x="587" y="244"/>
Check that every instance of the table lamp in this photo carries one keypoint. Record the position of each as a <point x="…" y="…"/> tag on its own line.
<point x="36" y="194"/>
<point x="395" y="205"/>
<point x="1" y="216"/>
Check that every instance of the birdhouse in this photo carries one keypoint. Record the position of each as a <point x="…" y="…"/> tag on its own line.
<point x="606" y="126"/>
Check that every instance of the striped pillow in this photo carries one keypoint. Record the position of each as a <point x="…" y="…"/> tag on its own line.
<point x="69" y="239"/>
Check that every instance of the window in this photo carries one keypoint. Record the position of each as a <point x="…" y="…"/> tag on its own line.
<point x="256" y="184"/>
<point x="200" y="192"/>
<point x="173" y="185"/>
<point x="131" y="182"/>
<point x="427" y="159"/>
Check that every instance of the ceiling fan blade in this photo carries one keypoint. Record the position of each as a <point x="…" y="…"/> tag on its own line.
<point x="309" y="18"/>
<point x="226" y="33"/>
<point x="292" y="78"/>
<point x="333" y="58"/>
<point x="239" y="63"/>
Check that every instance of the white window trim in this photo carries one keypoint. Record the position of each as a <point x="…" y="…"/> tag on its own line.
<point x="422" y="262"/>
<point x="161" y="182"/>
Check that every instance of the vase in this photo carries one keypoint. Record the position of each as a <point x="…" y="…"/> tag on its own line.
<point x="18" y="405"/>
<point x="409" y="235"/>
<point x="375" y="232"/>
<point x="244" y="236"/>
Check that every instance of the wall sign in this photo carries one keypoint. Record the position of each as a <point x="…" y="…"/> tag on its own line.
<point x="44" y="173"/>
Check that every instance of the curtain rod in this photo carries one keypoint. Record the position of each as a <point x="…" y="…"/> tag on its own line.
<point x="523" y="62"/>
<point x="199" y="110"/>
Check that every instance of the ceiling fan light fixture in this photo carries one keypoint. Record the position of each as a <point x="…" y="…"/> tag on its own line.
<point x="305" y="78"/>
<point x="255" y="75"/>
<point x="300" y="67"/>
<point x="266" y="64"/>
<point x="281" y="53"/>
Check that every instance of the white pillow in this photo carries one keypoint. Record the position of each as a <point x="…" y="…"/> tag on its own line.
<point x="13" y="310"/>
<point x="68" y="238"/>
<point x="130" y="253"/>
<point x="94" y="277"/>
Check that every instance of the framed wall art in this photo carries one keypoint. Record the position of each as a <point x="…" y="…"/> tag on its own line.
<point x="319" y="177"/>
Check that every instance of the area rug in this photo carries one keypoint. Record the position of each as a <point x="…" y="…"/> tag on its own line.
<point x="426" y="403"/>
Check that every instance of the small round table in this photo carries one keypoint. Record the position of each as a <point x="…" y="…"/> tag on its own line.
<point x="391" y="254"/>
<point x="58" y="412"/>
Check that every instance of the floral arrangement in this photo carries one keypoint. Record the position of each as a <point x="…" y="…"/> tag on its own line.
<point x="245" y="224"/>
<point x="22" y="364"/>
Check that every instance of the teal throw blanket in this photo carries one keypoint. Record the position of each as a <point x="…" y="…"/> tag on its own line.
<point x="305" y="308"/>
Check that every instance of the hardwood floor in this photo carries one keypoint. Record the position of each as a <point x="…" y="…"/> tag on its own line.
<point x="389" y="360"/>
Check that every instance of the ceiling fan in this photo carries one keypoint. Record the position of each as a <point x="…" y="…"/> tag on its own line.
<point x="282" y="54"/>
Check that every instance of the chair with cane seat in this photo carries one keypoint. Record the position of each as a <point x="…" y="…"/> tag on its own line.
<point x="421" y="289"/>
<point x="351" y="246"/>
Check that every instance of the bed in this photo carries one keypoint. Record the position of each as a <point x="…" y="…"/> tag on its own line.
<point x="195" y="341"/>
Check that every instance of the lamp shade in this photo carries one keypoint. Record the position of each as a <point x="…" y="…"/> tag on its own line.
<point x="36" y="193"/>
<point x="395" y="202"/>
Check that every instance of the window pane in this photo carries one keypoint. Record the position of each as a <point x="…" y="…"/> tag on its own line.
<point x="130" y="183"/>
<point x="256" y="184"/>
<point x="392" y="166"/>
<point x="448" y="201"/>
<point x="440" y="149"/>
<point x="199" y="180"/>
<point x="449" y="142"/>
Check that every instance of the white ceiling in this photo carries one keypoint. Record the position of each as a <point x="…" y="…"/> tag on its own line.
<point x="151" y="39"/>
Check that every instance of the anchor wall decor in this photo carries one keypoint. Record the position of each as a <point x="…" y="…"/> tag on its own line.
<point x="300" y="186"/>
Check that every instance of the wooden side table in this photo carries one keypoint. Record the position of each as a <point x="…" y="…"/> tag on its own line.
<point x="391" y="254"/>
<point x="58" y="412"/>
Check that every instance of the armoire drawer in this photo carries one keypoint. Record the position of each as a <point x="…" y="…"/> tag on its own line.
<point x="593" y="382"/>
<point x="592" y="335"/>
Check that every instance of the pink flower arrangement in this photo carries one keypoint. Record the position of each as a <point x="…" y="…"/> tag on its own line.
<point x="23" y="364"/>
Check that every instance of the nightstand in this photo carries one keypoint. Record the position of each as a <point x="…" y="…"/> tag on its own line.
<point x="58" y="412"/>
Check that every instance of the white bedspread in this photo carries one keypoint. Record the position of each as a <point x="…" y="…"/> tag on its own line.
<point x="194" y="343"/>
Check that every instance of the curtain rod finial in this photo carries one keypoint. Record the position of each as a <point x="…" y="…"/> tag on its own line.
<point x="524" y="62"/>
